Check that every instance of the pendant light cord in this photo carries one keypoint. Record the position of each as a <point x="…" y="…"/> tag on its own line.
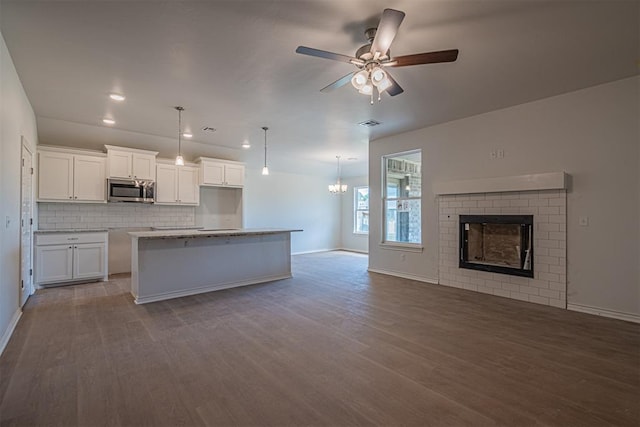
<point x="265" y="145"/>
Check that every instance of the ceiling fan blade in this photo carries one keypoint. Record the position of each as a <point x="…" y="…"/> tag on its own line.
<point x="426" y="58"/>
<point x="326" y="55"/>
<point x="338" y="83"/>
<point x="395" y="88"/>
<point x="386" y="32"/>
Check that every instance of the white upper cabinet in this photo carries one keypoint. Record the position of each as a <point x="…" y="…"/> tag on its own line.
<point x="129" y="163"/>
<point x="66" y="176"/>
<point x="221" y="173"/>
<point x="177" y="185"/>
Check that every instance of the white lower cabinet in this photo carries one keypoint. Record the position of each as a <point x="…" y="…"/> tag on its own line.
<point x="69" y="257"/>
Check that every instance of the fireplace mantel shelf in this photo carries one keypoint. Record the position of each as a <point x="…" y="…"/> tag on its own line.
<point x="532" y="182"/>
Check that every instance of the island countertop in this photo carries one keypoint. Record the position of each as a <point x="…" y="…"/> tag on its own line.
<point x="207" y="232"/>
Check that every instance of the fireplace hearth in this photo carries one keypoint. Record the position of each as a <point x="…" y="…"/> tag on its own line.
<point x="497" y="243"/>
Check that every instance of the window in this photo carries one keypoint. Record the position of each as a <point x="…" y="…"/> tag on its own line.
<point x="402" y="198"/>
<point x="361" y="210"/>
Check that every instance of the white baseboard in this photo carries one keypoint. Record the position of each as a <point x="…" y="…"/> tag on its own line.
<point x="404" y="275"/>
<point x="353" y="250"/>
<point x="604" y="312"/>
<point x="9" y="331"/>
<point x="315" y="251"/>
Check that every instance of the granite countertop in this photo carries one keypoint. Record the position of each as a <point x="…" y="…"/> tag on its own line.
<point x="72" y="230"/>
<point x="191" y="227"/>
<point x="209" y="232"/>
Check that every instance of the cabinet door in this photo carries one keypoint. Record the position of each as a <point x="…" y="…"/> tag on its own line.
<point x="89" y="180"/>
<point x="55" y="176"/>
<point x="119" y="164"/>
<point x="54" y="263"/>
<point x="234" y="175"/>
<point x="212" y="173"/>
<point x="144" y="166"/>
<point x="188" y="189"/>
<point x="166" y="184"/>
<point x="88" y="260"/>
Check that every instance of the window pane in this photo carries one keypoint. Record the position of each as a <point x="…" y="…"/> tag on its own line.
<point x="362" y="222"/>
<point x="362" y="198"/>
<point x="402" y="204"/>
<point x="403" y="221"/>
<point x="361" y="210"/>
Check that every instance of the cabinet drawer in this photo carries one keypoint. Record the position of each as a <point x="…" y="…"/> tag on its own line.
<point x="70" y="238"/>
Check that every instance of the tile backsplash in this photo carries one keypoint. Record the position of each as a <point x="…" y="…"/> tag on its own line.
<point x="56" y="216"/>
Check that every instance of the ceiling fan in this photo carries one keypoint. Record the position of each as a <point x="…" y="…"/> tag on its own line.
<point x="372" y="59"/>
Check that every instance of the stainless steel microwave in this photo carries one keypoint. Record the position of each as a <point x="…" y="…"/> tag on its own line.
<point x="133" y="190"/>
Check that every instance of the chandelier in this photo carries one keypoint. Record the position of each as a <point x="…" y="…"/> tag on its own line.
<point x="338" y="187"/>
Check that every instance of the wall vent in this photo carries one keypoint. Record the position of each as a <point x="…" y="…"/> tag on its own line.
<point x="209" y="129"/>
<point x="369" y="123"/>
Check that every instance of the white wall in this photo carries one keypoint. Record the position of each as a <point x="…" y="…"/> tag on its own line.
<point x="592" y="134"/>
<point x="349" y="240"/>
<point x="285" y="200"/>
<point x="16" y="119"/>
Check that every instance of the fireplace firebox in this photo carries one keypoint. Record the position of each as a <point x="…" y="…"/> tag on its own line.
<point x="497" y="243"/>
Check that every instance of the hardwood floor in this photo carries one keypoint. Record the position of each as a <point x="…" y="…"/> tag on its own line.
<point x="335" y="345"/>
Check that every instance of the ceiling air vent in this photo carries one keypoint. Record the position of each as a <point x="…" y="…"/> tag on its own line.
<point x="369" y="123"/>
<point x="209" y="129"/>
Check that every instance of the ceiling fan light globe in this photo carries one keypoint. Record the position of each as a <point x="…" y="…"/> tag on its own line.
<point x="359" y="79"/>
<point x="367" y="89"/>
<point x="378" y="75"/>
<point x="384" y="84"/>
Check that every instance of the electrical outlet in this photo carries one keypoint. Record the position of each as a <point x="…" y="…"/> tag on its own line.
<point x="583" y="221"/>
<point x="7" y="221"/>
<point x="500" y="153"/>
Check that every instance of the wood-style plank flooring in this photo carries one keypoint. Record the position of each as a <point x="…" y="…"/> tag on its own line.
<point x="335" y="345"/>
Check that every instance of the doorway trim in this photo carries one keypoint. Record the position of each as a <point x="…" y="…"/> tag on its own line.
<point x="26" y="280"/>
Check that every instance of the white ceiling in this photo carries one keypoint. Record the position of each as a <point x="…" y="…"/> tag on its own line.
<point x="232" y="65"/>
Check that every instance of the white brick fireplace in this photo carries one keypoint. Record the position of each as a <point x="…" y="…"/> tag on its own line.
<point x="540" y="195"/>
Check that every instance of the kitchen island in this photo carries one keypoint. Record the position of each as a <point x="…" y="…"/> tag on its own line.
<point x="175" y="263"/>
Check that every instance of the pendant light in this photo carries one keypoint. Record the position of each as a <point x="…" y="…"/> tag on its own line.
<point x="265" y="169"/>
<point x="338" y="187"/>
<point x="179" y="158"/>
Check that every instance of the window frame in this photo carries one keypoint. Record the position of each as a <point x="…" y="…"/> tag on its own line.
<point x="392" y="244"/>
<point x="356" y="210"/>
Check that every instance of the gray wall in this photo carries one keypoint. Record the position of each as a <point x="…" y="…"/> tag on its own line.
<point x="592" y="134"/>
<point x="16" y="119"/>
<point x="287" y="200"/>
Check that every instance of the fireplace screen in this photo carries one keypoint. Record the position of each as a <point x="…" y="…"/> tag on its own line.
<point x="497" y="243"/>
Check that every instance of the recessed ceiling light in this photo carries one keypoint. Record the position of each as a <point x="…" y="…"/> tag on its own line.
<point x="108" y="121"/>
<point x="352" y="158"/>
<point x="187" y="135"/>
<point x="246" y="145"/>
<point x="117" y="97"/>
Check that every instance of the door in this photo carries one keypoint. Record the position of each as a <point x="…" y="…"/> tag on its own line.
<point x="54" y="263"/>
<point x="119" y="164"/>
<point x="144" y="166"/>
<point x="212" y="173"/>
<point x="89" y="180"/>
<point x="55" y="176"/>
<point x="88" y="260"/>
<point x="234" y="175"/>
<point x="26" y="225"/>
<point x="166" y="184"/>
<point x="188" y="189"/>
